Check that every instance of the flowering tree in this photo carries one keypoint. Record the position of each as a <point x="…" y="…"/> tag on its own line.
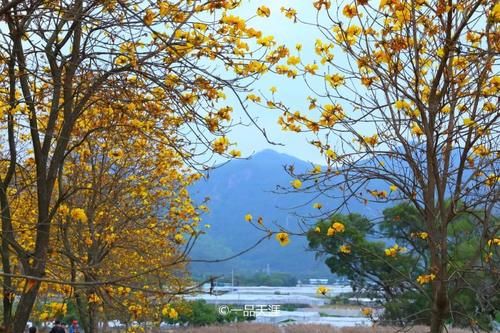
<point x="159" y="61"/>
<point x="404" y="107"/>
<point x="124" y="236"/>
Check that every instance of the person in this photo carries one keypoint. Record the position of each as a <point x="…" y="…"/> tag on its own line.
<point x="58" y="328"/>
<point x="74" y="327"/>
<point x="32" y="329"/>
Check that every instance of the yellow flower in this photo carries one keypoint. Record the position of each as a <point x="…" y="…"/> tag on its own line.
<point x="203" y="208"/>
<point x="335" y="80"/>
<point x="63" y="210"/>
<point x="44" y="316"/>
<point x="254" y="98"/>
<point x="367" y="81"/>
<point x="293" y="60"/>
<point x="338" y="227"/>
<point x="402" y="105"/>
<point x="423" y="279"/>
<point x="491" y="180"/>
<point x="350" y="11"/>
<point x="263" y="11"/>
<point x="169" y="312"/>
<point x="179" y="239"/>
<point x="115" y="154"/>
<point x="346" y="249"/>
<point x="367" y="311"/>
<point x="494" y="241"/>
<point x="266" y="41"/>
<point x="94" y="298"/>
<point x="331" y="115"/>
<point x="149" y="17"/>
<point x="495" y="12"/>
<point x="481" y="150"/>
<point x="331" y="154"/>
<point x="79" y="215"/>
<point x="88" y="241"/>
<point x="172" y="314"/>
<point x="322" y="290"/>
<point x="469" y="122"/>
<point x="165" y="310"/>
<point x="423" y="235"/>
<point x="489" y="107"/>
<point x="416" y="130"/>
<point x="316" y="169"/>
<point x="371" y="140"/>
<point x="378" y="194"/>
<point x="446" y="109"/>
<point x="121" y="60"/>
<point x="282" y="238"/>
<point x="320" y="3"/>
<point x="317" y="229"/>
<point x="393" y="251"/>
<point x="296" y="183"/>
<point x="220" y="145"/>
<point x="289" y="12"/>
<point x="273" y="90"/>
<point x="164" y="8"/>
<point x="248" y="218"/>
<point x="393" y="188"/>
<point x="235" y="153"/>
<point x="335" y="228"/>
<point x="311" y="68"/>
<point x="317" y="205"/>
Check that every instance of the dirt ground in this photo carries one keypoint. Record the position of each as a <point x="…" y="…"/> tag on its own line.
<point x="301" y="328"/>
<point x="290" y="328"/>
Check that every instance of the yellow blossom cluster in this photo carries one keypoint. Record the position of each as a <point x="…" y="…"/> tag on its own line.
<point x="394" y="250"/>
<point x="283" y="238"/>
<point x="322" y="290"/>
<point x="336" y="227"/>
<point x="426" y="278"/>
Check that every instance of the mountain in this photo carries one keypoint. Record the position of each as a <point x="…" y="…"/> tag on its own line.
<point x="249" y="186"/>
<point x="252" y="186"/>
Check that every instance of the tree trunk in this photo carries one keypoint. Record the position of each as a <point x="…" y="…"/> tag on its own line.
<point x="105" y="327"/>
<point x="440" y="303"/>
<point x="23" y="309"/>
<point x="7" y="280"/>
<point x="81" y="312"/>
<point x="439" y="308"/>
<point x="92" y="318"/>
<point x="28" y="298"/>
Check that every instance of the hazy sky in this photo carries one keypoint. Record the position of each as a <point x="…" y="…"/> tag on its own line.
<point x="293" y="92"/>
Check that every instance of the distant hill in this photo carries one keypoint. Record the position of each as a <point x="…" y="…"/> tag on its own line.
<point x="249" y="186"/>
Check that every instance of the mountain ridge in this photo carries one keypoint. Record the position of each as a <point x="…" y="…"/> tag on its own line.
<point x="247" y="186"/>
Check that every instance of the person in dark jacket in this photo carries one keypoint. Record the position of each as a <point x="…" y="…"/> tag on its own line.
<point x="32" y="329"/>
<point x="58" y="328"/>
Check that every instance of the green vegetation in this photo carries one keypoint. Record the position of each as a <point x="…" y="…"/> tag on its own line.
<point x="263" y="279"/>
<point x="395" y="279"/>
<point x="199" y="313"/>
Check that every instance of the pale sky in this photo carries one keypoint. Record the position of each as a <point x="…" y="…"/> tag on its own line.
<point x="294" y="92"/>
